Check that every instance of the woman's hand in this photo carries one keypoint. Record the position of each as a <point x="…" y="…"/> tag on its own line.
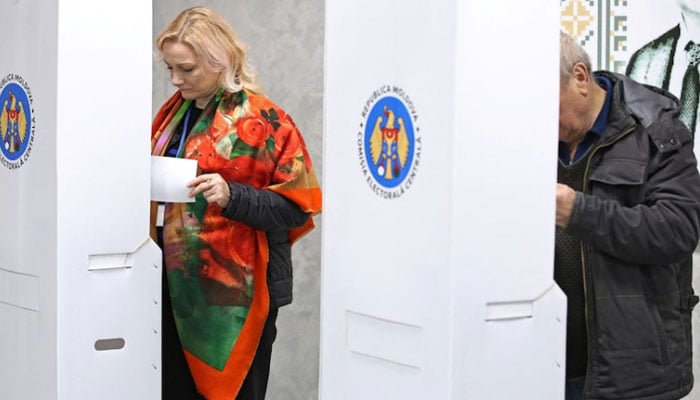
<point x="213" y="187"/>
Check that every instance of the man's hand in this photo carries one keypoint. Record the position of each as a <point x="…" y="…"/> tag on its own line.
<point x="565" y="204"/>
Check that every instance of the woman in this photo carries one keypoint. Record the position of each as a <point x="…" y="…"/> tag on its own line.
<point x="227" y="255"/>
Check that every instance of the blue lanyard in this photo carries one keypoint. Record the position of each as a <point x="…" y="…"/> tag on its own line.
<point x="185" y="126"/>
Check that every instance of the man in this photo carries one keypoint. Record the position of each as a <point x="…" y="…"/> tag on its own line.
<point x="628" y="219"/>
<point x="666" y="61"/>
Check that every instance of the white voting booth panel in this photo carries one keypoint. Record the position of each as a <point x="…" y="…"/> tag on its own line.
<point x="79" y="276"/>
<point x="439" y="182"/>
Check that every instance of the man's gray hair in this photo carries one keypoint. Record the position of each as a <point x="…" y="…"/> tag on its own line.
<point x="570" y="53"/>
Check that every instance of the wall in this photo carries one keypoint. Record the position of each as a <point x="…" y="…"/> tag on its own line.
<point x="286" y="48"/>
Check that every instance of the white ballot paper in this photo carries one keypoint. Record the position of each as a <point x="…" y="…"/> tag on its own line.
<point x="169" y="177"/>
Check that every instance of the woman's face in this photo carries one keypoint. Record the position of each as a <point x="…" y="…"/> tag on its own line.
<point x="187" y="73"/>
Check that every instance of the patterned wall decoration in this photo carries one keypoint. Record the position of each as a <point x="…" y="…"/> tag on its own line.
<point x="601" y="27"/>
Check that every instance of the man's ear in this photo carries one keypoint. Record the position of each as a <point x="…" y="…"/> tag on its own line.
<point x="582" y="76"/>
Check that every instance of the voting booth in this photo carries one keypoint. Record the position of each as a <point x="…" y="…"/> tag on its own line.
<point x="79" y="276"/>
<point x="439" y="171"/>
<point x="439" y="196"/>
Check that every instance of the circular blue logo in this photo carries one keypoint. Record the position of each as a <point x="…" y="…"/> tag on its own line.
<point x="16" y="130"/>
<point x="389" y="142"/>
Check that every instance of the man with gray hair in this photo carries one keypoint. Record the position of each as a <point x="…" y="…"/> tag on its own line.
<point x="628" y="220"/>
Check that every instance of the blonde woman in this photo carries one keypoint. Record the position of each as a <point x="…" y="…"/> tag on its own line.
<point x="227" y="256"/>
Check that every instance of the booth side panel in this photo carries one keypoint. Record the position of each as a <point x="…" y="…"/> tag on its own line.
<point x="509" y="316"/>
<point x="28" y="200"/>
<point x="108" y="268"/>
<point x="386" y="219"/>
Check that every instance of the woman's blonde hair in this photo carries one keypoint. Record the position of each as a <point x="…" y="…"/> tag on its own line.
<point x="215" y="43"/>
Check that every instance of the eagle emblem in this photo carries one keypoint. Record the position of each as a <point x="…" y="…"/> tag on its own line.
<point x="389" y="145"/>
<point x="13" y="124"/>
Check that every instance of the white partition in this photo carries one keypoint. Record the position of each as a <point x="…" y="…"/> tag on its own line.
<point x="438" y="276"/>
<point x="79" y="276"/>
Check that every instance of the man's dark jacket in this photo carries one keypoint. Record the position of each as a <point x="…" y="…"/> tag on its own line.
<point x="639" y="221"/>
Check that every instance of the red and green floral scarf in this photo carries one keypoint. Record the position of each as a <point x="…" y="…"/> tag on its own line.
<point x="217" y="267"/>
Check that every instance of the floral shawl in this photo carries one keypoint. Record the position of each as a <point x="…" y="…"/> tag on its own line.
<point x="217" y="267"/>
